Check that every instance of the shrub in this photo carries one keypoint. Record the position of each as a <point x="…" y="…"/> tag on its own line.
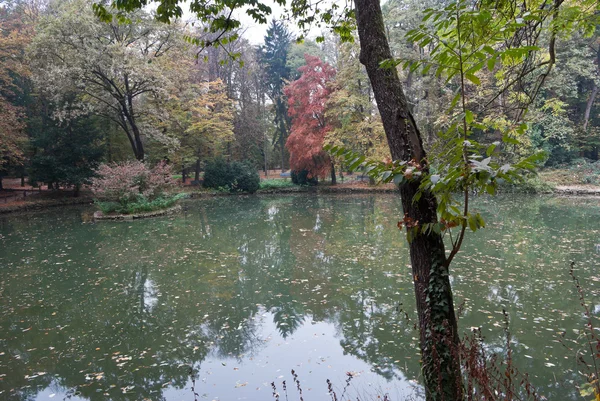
<point x="217" y="174"/>
<point x="131" y="183"/>
<point x="301" y="178"/>
<point x="235" y="176"/>
<point x="140" y="205"/>
<point x="530" y="185"/>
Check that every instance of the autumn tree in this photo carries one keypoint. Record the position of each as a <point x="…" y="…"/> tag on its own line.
<point x="116" y="69"/>
<point x="201" y="120"/>
<point x="351" y="111"/>
<point x="251" y="123"/>
<point x="246" y="83"/>
<point x="296" y="57"/>
<point x="467" y="37"/>
<point x="307" y="97"/>
<point x="16" y="31"/>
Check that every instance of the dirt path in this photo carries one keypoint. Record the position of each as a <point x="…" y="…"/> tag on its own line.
<point x="15" y="197"/>
<point x="577" y="190"/>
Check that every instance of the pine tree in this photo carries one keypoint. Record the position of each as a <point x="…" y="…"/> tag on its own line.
<point x="274" y="56"/>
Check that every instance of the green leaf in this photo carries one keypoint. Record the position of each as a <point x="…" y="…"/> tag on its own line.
<point x="509" y="140"/>
<point x="469" y="116"/>
<point x="455" y="100"/>
<point x="473" y="79"/>
<point x="398" y="179"/>
<point x="472" y="223"/>
<point x="480" y="221"/>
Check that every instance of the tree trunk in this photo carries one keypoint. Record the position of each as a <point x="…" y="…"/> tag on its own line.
<point x="1" y="186"/>
<point x="183" y="174"/>
<point x="138" y="148"/>
<point x="333" y="178"/>
<point x="588" y="107"/>
<point x="592" y="98"/>
<point x="76" y="190"/>
<point x="281" y="145"/>
<point x="197" y="173"/>
<point x="435" y="307"/>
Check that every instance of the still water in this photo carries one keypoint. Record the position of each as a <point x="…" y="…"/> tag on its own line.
<point x="228" y="297"/>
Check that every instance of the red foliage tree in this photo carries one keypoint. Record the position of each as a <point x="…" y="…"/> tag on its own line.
<point x="306" y="106"/>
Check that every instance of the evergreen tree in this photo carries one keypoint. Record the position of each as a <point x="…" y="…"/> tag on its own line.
<point x="66" y="155"/>
<point x="274" y="56"/>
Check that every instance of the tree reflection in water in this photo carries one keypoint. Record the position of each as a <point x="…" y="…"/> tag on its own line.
<point x="244" y="289"/>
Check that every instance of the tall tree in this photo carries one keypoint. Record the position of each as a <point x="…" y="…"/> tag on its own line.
<point x="275" y="56"/>
<point x="460" y="56"/>
<point x="351" y="108"/>
<point x="210" y="124"/>
<point x="16" y="31"/>
<point x="67" y="155"/>
<point x="307" y="97"/>
<point x="116" y="69"/>
<point x="252" y="140"/>
<point x="427" y="252"/>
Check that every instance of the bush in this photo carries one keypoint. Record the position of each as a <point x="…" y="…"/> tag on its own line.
<point x="140" y="205"/>
<point x="235" y="176"/>
<point x="578" y="171"/>
<point x="301" y="178"/>
<point x="530" y="185"/>
<point x="132" y="185"/>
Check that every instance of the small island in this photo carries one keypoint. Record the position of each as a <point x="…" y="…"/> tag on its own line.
<point x="132" y="190"/>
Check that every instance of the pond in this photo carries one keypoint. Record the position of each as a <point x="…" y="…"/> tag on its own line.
<point x="238" y="291"/>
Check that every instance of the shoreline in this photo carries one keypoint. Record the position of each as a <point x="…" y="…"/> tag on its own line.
<point x="42" y="204"/>
<point x="99" y="216"/>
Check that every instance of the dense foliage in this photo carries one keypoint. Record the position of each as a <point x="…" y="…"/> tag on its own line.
<point x="139" y="79"/>
<point x="16" y="31"/>
<point x="231" y="176"/>
<point x="469" y="96"/>
<point x="274" y="55"/>
<point x="66" y="155"/>
<point x="307" y="97"/>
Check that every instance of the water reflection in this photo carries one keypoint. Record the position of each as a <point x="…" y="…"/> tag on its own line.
<point x="244" y="289"/>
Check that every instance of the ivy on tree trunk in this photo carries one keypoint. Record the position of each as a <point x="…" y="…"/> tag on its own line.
<point x="435" y="307"/>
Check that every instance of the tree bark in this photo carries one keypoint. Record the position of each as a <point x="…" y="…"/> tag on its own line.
<point x="129" y="114"/>
<point x="435" y="308"/>
<point x="592" y="98"/>
<point x="333" y="178"/>
<point x="588" y="107"/>
<point x="197" y="173"/>
<point x="282" y="138"/>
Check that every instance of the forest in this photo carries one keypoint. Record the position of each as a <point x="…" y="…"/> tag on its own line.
<point x="442" y="102"/>
<point x="77" y="92"/>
